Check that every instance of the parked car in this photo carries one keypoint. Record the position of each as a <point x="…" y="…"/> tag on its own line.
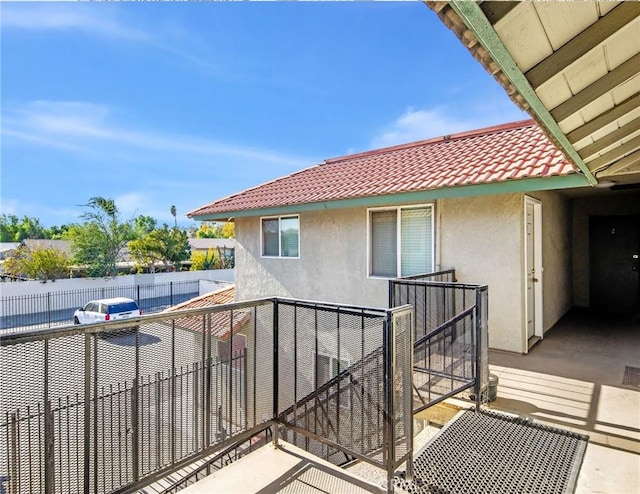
<point x="107" y="309"/>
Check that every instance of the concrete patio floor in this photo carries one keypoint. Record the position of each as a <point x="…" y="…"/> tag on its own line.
<point x="573" y="378"/>
<point x="286" y="469"/>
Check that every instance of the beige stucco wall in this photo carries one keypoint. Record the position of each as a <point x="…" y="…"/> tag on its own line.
<point x="481" y="237"/>
<point x="607" y="203"/>
<point x="332" y="266"/>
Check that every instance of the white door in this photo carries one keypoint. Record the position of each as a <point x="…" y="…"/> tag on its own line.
<point x="533" y="267"/>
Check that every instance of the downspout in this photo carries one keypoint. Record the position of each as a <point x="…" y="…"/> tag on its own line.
<point x="475" y="20"/>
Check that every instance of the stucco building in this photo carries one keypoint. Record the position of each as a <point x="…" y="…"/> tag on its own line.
<point x="501" y="205"/>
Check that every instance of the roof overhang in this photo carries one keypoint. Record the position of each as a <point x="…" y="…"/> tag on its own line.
<point x="570" y="181"/>
<point x="573" y="66"/>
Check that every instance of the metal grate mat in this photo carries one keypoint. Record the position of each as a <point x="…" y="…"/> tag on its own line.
<point x="487" y="452"/>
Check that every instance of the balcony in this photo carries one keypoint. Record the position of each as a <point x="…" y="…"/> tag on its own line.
<point x="165" y="403"/>
<point x="111" y="408"/>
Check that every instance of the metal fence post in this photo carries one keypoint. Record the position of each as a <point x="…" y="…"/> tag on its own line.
<point x="478" y="355"/>
<point x="276" y="390"/>
<point x="87" y="411"/>
<point x="14" y="454"/>
<point x="172" y="390"/>
<point x="389" y="446"/>
<point x="135" y="410"/>
<point x="171" y="293"/>
<point x="49" y="464"/>
<point x="207" y="382"/>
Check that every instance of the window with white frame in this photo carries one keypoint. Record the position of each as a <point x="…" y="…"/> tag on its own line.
<point x="328" y="367"/>
<point x="281" y="236"/>
<point x="401" y="241"/>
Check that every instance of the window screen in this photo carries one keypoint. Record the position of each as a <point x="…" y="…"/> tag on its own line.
<point x="383" y="243"/>
<point x="270" y="240"/>
<point x="281" y="236"/>
<point x="408" y="253"/>
<point x="416" y="241"/>
<point x="289" y="236"/>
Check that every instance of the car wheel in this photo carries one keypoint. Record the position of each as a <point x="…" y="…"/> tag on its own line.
<point x="76" y="321"/>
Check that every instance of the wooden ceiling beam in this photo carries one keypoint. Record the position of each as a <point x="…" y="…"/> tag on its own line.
<point x="584" y="42"/>
<point x="611" y="138"/>
<point x="599" y="88"/>
<point x="619" y="152"/>
<point x="605" y="119"/>
<point x="496" y="10"/>
<point x="620" y="167"/>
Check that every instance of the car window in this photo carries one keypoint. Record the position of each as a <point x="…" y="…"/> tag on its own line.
<point x="103" y="309"/>
<point x="123" y="307"/>
<point x="91" y="307"/>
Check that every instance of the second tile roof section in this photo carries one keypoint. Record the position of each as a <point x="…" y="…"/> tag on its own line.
<point x="514" y="151"/>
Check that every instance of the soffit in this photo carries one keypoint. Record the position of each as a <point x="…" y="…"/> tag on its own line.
<point x="580" y="60"/>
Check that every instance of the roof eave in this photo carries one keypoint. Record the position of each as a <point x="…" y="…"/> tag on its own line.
<point x="471" y="15"/>
<point x="569" y="181"/>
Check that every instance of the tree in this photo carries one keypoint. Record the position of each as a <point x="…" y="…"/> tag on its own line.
<point x="173" y="213"/>
<point x="143" y="225"/>
<point x="201" y="261"/>
<point x="215" y="230"/>
<point x="228" y="230"/>
<point x="96" y="244"/>
<point x="168" y="246"/>
<point x="39" y="263"/>
<point x="14" y="229"/>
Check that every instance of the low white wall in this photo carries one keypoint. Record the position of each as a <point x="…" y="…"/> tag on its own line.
<point x="18" y="288"/>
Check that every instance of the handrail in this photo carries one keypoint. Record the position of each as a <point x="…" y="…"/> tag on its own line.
<point x="445" y="325"/>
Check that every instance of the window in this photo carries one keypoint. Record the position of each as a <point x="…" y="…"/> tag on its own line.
<point x="401" y="241"/>
<point x="328" y="367"/>
<point x="281" y="236"/>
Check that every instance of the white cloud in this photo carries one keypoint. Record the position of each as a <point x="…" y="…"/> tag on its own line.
<point x="416" y="125"/>
<point x="82" y="126"/>
<point x="131" y="204"/>
<point x="92" y="20"/>
<point x="68" y="17"/>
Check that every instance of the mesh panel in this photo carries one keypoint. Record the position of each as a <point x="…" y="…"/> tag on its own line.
<point x="403" y="395"/>
<point x="262" y="363"/>
<point x="339" y="397"/>
<point x="165" y="391"/>
<point x="454" y="315"/>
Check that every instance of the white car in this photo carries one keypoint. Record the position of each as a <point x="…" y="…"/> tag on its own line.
<point x="107" y="309"/>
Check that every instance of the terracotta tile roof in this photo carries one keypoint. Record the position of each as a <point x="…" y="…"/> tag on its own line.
<point x="511" y="151"/>
<point x="220" y="321"/>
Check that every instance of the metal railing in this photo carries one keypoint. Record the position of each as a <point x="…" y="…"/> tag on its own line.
<point x="451" y="351"/>
<point x="56" y="308"/>
<point x="442" y="275"/>
<point x="107" y="408"/>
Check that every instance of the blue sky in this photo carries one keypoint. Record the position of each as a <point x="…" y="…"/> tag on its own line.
<point x="154" y="104"/>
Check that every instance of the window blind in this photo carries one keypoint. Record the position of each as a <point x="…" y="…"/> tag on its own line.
<point x="416" y="240"/>
<point x="270" y="242"/>
<point x="289" y="236"/>
<point x="384" y="256"/>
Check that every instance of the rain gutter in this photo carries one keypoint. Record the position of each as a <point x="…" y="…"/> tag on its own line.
<point x="570" y="181"/>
